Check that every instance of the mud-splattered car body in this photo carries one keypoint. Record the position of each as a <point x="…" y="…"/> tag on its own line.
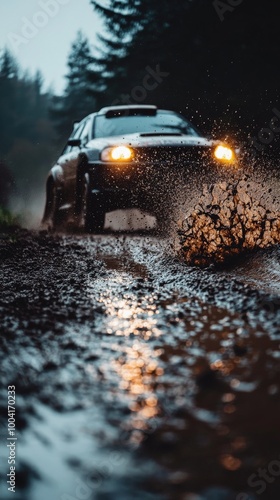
<point x="127" y="157"/>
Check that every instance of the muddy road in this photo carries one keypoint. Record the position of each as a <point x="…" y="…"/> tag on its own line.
<point x="137" y="376"/>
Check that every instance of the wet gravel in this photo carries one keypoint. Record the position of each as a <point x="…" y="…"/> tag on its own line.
<point x="137" y="376"/>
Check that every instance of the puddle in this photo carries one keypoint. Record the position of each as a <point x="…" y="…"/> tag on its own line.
<point x="137" y="376"/>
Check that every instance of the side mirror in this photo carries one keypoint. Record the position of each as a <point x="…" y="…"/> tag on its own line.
<point x="75" y="143"/>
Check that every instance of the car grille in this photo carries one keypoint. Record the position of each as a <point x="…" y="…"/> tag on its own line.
<point x="187" y="155"/>
<point x="153" y="166"/>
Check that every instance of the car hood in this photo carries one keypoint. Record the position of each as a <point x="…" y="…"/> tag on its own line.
<point x="142" y="140"/>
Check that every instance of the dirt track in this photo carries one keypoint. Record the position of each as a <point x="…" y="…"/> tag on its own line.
<point x="136" y="376"/>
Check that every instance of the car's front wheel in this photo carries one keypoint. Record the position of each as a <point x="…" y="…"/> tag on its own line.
<point x="51" y="214"/>
<point x="93" y="216"/>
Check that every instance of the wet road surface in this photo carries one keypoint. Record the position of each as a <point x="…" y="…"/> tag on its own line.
<point x="138" y="377"/>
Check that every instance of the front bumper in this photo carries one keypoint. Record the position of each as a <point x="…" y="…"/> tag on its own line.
<point x="144" y="185"/>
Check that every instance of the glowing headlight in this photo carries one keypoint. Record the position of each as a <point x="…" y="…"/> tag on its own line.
<point x="224" y="153"/>
<point x="117" y="153"/>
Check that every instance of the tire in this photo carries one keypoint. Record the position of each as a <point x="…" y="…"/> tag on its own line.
<point x="93" y="213"/>
<point x="51" y="215"/>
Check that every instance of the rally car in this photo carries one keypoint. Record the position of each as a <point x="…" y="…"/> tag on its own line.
<point x="126" y="157"/>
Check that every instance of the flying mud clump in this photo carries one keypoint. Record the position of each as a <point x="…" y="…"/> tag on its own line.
<point x="230" y="218"/>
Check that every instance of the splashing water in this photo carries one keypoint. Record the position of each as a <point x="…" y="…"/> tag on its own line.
<point x="230" y="217"/>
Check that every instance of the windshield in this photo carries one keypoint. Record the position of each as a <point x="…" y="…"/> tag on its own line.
<point x="161" y="123"/>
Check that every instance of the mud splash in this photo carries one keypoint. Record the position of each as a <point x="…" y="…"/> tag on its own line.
<point x="230" y="218"/>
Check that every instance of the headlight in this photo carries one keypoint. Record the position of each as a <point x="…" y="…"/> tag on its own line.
<point x="117" y="153"/>
<point x="224" y="153"/>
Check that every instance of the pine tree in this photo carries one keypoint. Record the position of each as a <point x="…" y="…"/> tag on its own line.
<point x="79" y="96"/>
<point x="119" y="72"/>
<point x="219" y="70"/>
<point x="8" y="93"/>
<point x="8" y="65"/>
<point x="148" y="33"/>
<point x="27" y="133"/>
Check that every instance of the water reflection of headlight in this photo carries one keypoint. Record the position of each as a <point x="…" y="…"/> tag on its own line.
<point x="138" y="366"/>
